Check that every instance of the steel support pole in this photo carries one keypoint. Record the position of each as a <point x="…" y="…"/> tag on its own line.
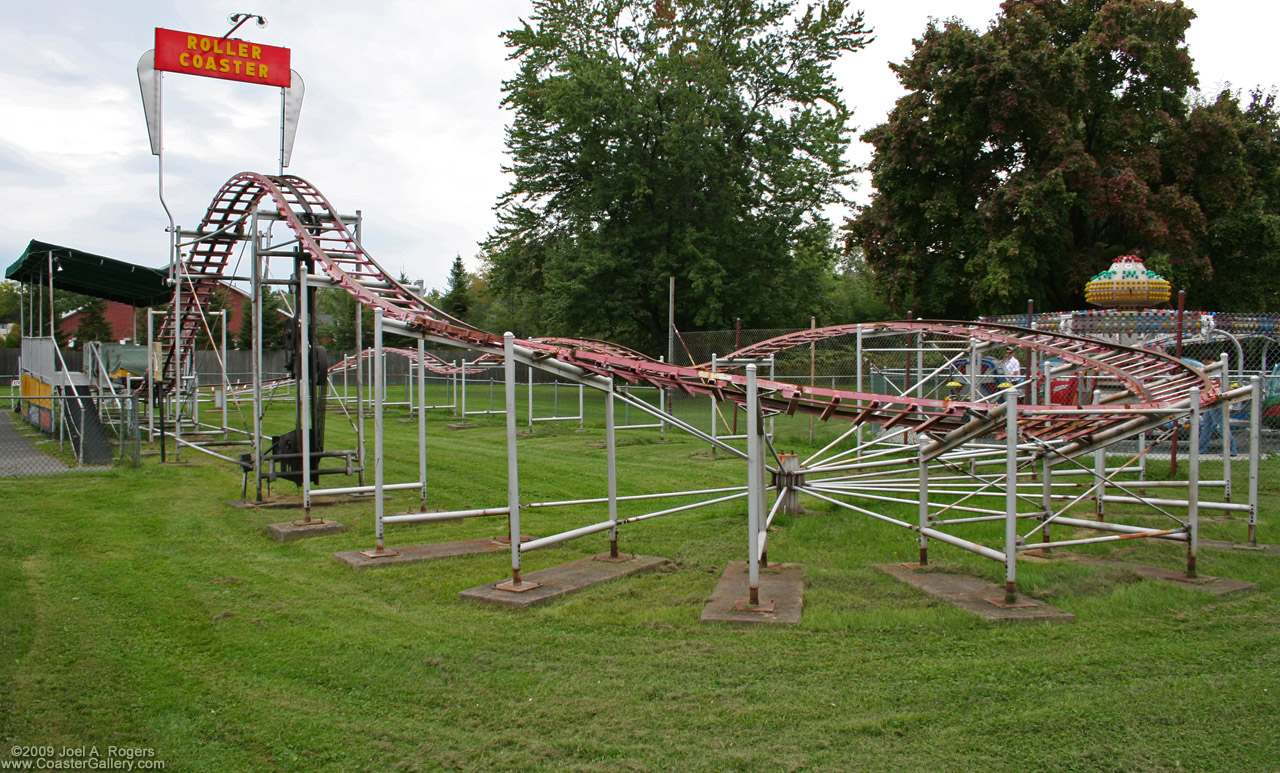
<point x="1142" y="458"/>
<point x="1046" y="496"/>
<point x="975" y="371"/>
<point x="256" y="270"/>
<point x="1099" y="471"/>
<point x="923" y="521"/>
<point x="379" y="378"/>
<point x="513" y="470"/>
<point x="304" y="378"/>
<point x="857" y="379"/>
<point x="151" y="380"/>
<point x="611" y="460"/>
<point x="422" y="423"/>
<point x="1223" y="388"/>
<point x="176" y="257"/>
<point x="226" y="382"/>
<point x="755" y="487"/>
<point x="1255" y="434"/>
<point x="1193" y="484"/>
<point x="1011" y="497"/>
<point x="360" y="376"/>
<point x="531" y="399"/>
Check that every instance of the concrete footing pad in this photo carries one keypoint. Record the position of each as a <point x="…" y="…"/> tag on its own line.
<point x="781" y="596"/>
<point x="1222" y="544"/>
<point x="292" y="530"/>
<point x="979" y="597"/>
<point x="556" y="581"/>
<point x="412" y="554"/>
<point x="1218" y="586"/>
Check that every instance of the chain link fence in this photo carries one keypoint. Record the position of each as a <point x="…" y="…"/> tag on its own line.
<point x="50" y="434"/>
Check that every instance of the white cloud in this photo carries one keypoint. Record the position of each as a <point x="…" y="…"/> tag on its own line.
<point x="402" y="115"/>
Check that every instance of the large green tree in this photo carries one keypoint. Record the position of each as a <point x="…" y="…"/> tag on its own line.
<point x="690" y="138"/>
<point x="1023" y="159"/>
<point x="1227" y="156"/>
<point x="457" y="298"/>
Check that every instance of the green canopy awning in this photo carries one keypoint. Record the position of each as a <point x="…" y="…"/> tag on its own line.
<point x="96" y="275"/>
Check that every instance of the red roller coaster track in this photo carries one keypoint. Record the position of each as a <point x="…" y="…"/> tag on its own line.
<point x="1150" y="379"/>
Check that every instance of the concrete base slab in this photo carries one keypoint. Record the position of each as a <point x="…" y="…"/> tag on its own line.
<point x="979" y="597"/>
<point x="1222" y="544"/>
<point x="413" y="554"/>
<point x="295" y="502"/>
<point x="462" y="425"/>
<point x="556" y="581"/>
<point x="781" y="596"/>
<point x="293" y="530"/>
<point x="1218" y="586"/>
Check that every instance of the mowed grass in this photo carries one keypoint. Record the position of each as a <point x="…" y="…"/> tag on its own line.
<point x="138" y="608"/>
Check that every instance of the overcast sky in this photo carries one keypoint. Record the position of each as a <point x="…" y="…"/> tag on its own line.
<point x="402" y="115"/>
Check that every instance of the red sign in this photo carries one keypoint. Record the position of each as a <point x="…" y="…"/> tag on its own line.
<point x="234" y="60"/>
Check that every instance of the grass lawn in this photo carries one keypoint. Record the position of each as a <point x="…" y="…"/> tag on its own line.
<point x="139" y="609"/>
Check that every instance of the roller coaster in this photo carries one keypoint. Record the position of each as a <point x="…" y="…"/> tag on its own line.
<point x="959" y="459"/>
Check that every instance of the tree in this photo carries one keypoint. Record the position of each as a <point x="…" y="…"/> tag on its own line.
<point x="1228" y="157"/>
<point x="339" y="330"/>
<point x="274" y="321"/>
<point x="1023" y="160"/>
<point x="687" y="138"/>
<point x="10" y="300"/>
<point x="93" y="325"/>
<point x="457" y="299"/>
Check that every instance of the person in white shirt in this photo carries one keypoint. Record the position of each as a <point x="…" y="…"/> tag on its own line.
<point x="1012" y="368"/>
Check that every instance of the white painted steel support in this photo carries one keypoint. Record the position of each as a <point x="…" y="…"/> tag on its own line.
<point x="1193" y="484"/>
<point x="1011" y="497"/>
<point x="513" y="471"/>
<point x="360" y="370"/>
<point x="1046" y="494"/>
<point x="857" y="379"/>
<point x="226" y="382"/>
<point x="256" y="269"/>
<point x="923" y="464"/>
<point x="302" y="309"/>
<point x="422" y="423"/>
<point x="1255" y="435"/>
<point x="611" y="460"/>
<point x="177" y="268"/>
<point x="975" y="371"/>
<point x="1099" y="471"/>
<point x="1142" y="458"/>
<point x="1225" y="434"/>
<point x="755" y="487"/>
<point x="151" y="379"/>
<point x="379" y="377"/>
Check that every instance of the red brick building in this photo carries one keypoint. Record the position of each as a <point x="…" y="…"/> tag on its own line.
<point x="121" y="318"/>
